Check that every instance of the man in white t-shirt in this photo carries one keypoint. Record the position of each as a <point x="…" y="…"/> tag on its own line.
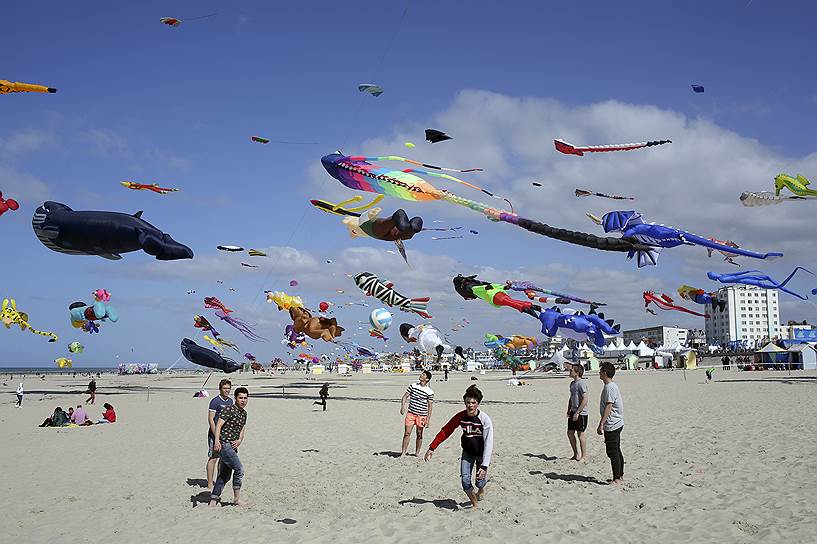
<point x="419" y="400"/>
<point x="611" y="408"/>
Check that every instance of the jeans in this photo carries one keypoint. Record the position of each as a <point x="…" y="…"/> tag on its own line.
<point x="19" y="400"/>
<point x="467" y="465"/>
<point x="229" y="463"/>
<point x="612" y="443"/>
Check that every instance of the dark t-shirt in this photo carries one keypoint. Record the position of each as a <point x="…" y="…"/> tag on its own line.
<point x="234" y="420"/>
<point x="216" y="405"/>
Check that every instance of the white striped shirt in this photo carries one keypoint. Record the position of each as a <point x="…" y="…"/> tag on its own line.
<point x="419" y="397"/>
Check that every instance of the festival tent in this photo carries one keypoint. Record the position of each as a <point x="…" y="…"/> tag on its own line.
<point x="630" y="361"/>
<point x="773" y="354"/>
<point x="644" y="350"/>
<point x="687" y="358"/>
<point x="631" y="346"/>
<point x="803" y="356"/>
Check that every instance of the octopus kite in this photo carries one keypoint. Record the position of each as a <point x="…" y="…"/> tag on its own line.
<point x="292" y="338"/>
<point x="701" y="297"/>
<point x="569" y="149"/>
<point x="372" y="286"/>
<point x="356" y="173"/>
<point x="470" y="288"/>
<point x="657" y="237"/>
<point x="10" y="316"/>
<point x="144" y="187"/>
<point x="8" y="87"/>
<point x="664" y="302"/>
<point x="216" y="304"/>
<point x="242" y="327"/>
<point x="759" y="279"/>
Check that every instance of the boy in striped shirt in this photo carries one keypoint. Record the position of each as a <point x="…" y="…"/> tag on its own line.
<point x="420" y="399"/>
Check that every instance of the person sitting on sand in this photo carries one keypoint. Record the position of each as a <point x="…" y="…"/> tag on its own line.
<point x="109" y="416"/>
<point x="80" y="417"/>
<point x="324" y="394"/>
<point x="57" y="419"/>
<point x="477" y="443"/>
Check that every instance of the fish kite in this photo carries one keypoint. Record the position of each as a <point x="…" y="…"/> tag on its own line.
<point x="372" y="286"/>
<point x="63" y="362"/>
<point x="701" y="297"/>
<point x="250" y="265"/>
<point x="372" y="89"/>
<point x="569" y="149"/>
<point x="206" y="357"/>
<point x="102" y="233"/>
<point x="76" y="347"/>
<point x="260" y="140"/>
<point x="256" y="253"/>
<point x="231" y="249"/>
<point x="7" y="204"/>
<point x="8" y="87"/>
<point x="172" y="21"/>
<point x="664" y="302"/>
<point x="657" y="237"/>
<point x="759" y="279"/>
<point x="436" y="136"/>
<point x="200" y="322"/>
<point x="582" y="192"/>
<point x="152" y="187"/>
<point x="697" y="88"/>
<point x="10" y="316"/>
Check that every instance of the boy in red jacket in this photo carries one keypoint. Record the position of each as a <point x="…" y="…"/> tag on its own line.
<point x="477" y="443"/>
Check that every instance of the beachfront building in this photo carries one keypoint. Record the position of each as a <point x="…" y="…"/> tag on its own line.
<point x="751" y="316"/>
<point x="798" y="331"/>
<point x="657" y="336"/>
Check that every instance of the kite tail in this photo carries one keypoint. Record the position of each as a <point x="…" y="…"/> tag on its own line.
<point x="418" y="306"/>
<point x="701" y="241"/>
<point x="784" y="282"/>
<point x="53" y="336"/>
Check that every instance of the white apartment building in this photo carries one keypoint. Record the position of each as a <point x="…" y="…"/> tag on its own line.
<point x="751" y="314"/>
<point x="659" y="336"/>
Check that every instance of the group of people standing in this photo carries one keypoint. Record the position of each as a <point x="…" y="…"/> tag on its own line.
<point x="227" y="419"/>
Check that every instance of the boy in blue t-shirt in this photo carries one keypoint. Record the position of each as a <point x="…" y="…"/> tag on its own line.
<point x="219" y="402"/>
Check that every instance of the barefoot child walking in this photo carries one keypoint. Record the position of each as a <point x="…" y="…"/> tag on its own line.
<point x="577" y="412"/>
<point x="477" y="443"/>
<point x="419" y="399"/>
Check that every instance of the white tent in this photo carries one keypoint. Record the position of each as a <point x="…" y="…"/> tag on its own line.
<point x="803" y="356"/>
<point x="644" y="350"/>
<point x="631" y="346"/>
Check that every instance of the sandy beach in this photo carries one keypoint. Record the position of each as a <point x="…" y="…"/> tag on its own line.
<point x="731" y="461"/>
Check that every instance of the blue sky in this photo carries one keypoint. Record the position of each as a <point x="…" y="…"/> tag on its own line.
<point x="142" y="101"/>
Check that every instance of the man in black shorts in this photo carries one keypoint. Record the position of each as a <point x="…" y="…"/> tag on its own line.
<point x="577" y="412"/>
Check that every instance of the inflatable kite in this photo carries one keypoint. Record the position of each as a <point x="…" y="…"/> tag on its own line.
<point x="76" y="347"/>
<point x="7" y="204"/>
<point x="697" y="88"/>
<point x="577" y="325"/>
<point x="758" y="279"/>
<point x="242" y="327"/>
<point x="372" y="286"/>
<point x="356" y="173"/>
<point x="215" y="304"/>
<point x="102" y="233"/>
<point x="200" y="322"/>
<point x="206" y="357"/>
<point x="249" y="265"/>
<point x="256" y="253"/>
<point x="494" y="341"/>
<point x="8" y="87"/>
<point x="10" y="316"/>
<point x="664" y="302"/>
<point x="371" y="88"/>
<point x="260" y="140"/>
<point x="292" y="338"/>
<point x="797" y="185"/>
<point x="315" y="327"/>
<point x="701" y="297"/>
<point x="84" y="316"/>
<point x="172" y="21"/>
<point x="530" y="289"/>
<point x="582" y="192"/>
<point x="470" y="288"/>
<point x="144" y="187"/>
<point x="283" y="300"/>
<point x="569" y="149"/>
<point x="63" y="362"/>
<point x="728" y="255"/>
<point x="658" y="237"/>
<point x="230" y="248"/>
<point x="221" y="343"/>
<point x="429" y="340"/>
<point x="436" y="136"/>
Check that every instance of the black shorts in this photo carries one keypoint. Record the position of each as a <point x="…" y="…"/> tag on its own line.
<point x="578" y="425"/>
